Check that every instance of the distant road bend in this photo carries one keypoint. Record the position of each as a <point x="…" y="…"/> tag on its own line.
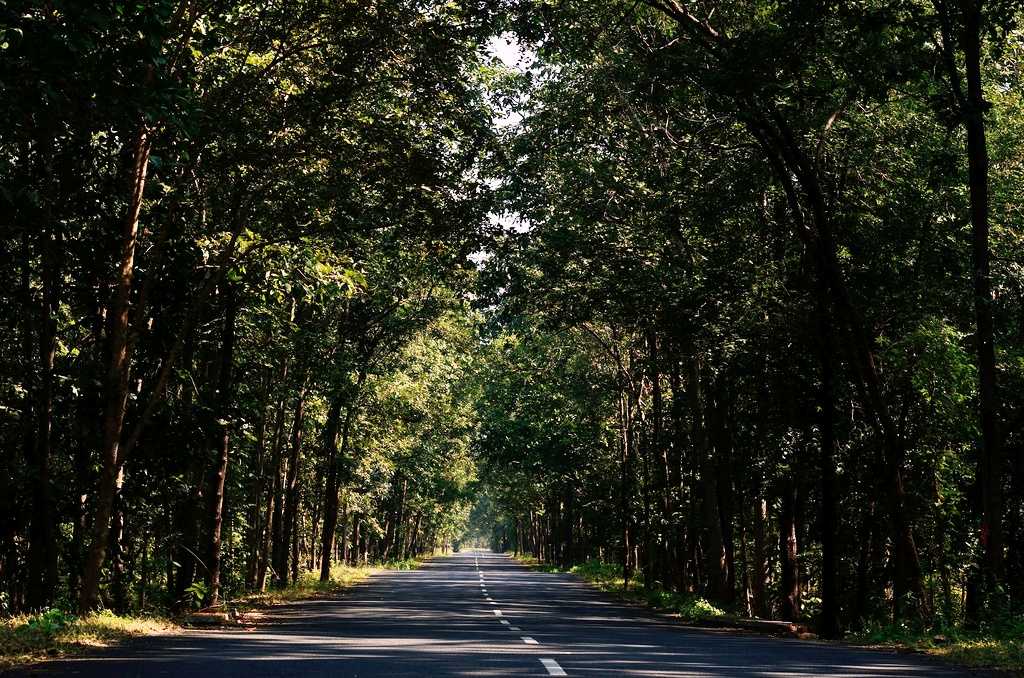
<point x="479" y="614"/>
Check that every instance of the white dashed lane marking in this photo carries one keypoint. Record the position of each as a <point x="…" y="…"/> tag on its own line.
<point x="497" y="613"/>
<point x="530" y="641"/>
<point x="553" y="668"/>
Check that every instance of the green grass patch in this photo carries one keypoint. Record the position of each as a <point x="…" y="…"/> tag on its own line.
<point x="28" y="638"/>
<point x="407" y="564"/>
<point x="608" y="578"/>
<point x="998" y="646"/>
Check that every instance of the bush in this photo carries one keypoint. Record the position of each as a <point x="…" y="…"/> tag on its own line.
<point x="49" y="622"/>
<point x="999" y="643"/>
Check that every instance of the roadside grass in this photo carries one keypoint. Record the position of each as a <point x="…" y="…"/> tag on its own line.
<point x="407" y="564"/>
<point x="29" y="638"/>
<point x="999" y="646"/>
<point x="608" y="578"/>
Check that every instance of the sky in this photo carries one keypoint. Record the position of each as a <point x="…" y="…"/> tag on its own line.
<point x="515" y="56"/>
<point x="511" y="52"/>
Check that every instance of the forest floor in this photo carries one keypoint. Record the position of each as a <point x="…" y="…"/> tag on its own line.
<point x="1000" y="648"/>
<point x="52" y="634"/>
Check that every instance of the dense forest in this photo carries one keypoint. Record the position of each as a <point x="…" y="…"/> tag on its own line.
<point x="727" y="292"/>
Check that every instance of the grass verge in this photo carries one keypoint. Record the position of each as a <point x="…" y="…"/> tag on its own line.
<point x="998" y="647"/>
<point x="29" y="638"/>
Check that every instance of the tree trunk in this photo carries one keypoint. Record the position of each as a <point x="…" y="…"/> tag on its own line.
<point x="790" y="579"/>
<point x="715" y="568"/>
<point x="296" y="528"/>
<point x="356" y="519"/>
<point x="724" y="485"/>
<point x="626" y="488"/>
<point x="677" y="537"/>
<point x="829" y="624"/>
<point x="759" y="562"/>
<point x="399" y="535"/>
<point x="42" y="555"/>
<point x="410" y="550"/>
<point x="186" y="513"/>
<point x="291" y="491"/>
<point x="334" y="458"/>
<point x="225" y="394"/>
<point x="663" y="468"/>
<point x="143" y="574"/>
<point x="279" y="553"/>
<point x="343" y="547"/>
<point x="256" y="488"/>
<point x="88" y="439"/>
<point x="990" y="455"/>
<point x="275" y="508"/>
<point x="265" y="542"/>
<point x="118" y="374"/>
<point x="118" y="566"/>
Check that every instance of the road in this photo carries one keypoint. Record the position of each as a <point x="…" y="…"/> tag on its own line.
<point x="479" y="614"/>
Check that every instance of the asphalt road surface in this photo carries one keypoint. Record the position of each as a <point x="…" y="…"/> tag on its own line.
<point x="479" y="614"/>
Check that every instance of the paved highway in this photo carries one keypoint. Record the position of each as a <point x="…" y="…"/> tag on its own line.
<point x="479" y="614"/>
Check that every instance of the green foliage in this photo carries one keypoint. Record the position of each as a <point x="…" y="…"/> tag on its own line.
<point x="49" y="622"/>
<point x="54" y="633"/>
<point x="1000" y="644"/>
<point x="317" y="170"/>
<point x="196" y="593"/>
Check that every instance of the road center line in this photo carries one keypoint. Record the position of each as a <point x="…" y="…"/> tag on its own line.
<point x="553" y="668"/>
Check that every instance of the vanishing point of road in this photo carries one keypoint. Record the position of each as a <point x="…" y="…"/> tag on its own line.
<point x="478" y="614"/>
